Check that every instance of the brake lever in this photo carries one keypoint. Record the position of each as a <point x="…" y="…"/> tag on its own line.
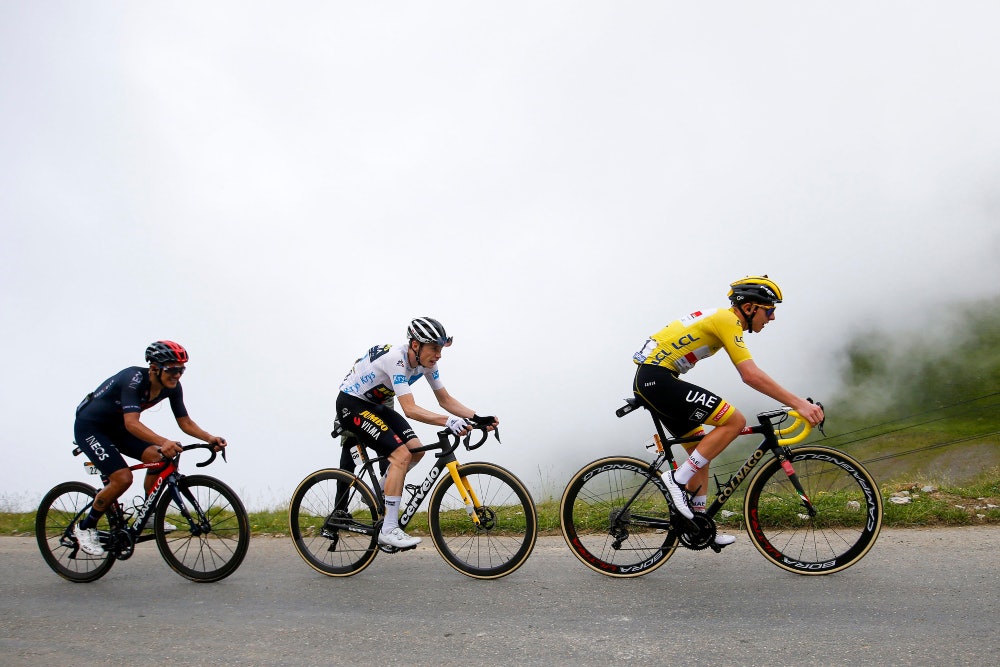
<point x="820" y="425"/>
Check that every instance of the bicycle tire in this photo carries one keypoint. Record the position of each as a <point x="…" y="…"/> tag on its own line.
<point x="591" y="510"/>
<point x="215" y="551"/>
<point x="508" y="527"/>
<point x="345" y="552"/>
<point x="65" y="504"/>
<point x="848" y="519"/>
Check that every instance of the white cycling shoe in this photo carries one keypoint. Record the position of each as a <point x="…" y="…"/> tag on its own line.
<point x="397" y="538"/>
<point x="88" y="540"/>
<point x="678" y="494"/>
<point x="723" y="540"/>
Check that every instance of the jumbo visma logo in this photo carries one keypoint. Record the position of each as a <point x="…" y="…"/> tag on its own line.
<point x="375" y="421"/>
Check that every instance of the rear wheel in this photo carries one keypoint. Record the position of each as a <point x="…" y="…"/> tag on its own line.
<point x="848" y="512"/>
<point x="333" y="518"/>
<point x="61" y="507"/>
<point x="503" y="538"/>
<point x="607" y="529"/>
<point x="215" y="545"/>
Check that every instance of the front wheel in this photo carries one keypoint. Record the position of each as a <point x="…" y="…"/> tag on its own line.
<point x="333" y="518"/>
<point x="615" y="517"/>
<point x="844" y="526"/>
<point x="213" y="530"/>
<point x="61" y="507"/>
<point x="505" y="534"/>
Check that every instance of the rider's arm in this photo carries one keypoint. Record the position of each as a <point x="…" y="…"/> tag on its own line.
<point x="753" y="376"/>
<point x="187" y="425"/>
<point x="452" y="405"/>
<point x="413" y="411"/>
<point x="143" y="432"/>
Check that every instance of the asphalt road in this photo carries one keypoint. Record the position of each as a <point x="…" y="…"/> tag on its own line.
<point x="920" y="597"/>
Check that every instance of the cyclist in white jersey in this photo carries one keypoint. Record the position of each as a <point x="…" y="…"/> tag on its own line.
<point x="385" y="373"/>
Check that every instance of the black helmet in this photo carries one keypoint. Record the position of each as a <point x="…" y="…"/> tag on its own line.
<point x="428" y="330"/>
<point x="755" y="289"/>
<point x="166" y="352"/>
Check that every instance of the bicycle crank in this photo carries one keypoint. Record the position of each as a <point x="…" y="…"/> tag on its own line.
<point x="700" y="535"/>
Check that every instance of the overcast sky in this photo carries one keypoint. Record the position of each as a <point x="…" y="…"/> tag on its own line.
<point x="280" y="186"/>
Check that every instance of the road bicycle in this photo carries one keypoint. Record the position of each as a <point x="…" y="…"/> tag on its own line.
<point x="808" y="509"/>
<point x="208" y="543"/>
<point x="481" y="517"/>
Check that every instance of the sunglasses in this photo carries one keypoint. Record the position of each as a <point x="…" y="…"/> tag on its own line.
<point x="769" y="311"/>
<point x="173" y="370"/>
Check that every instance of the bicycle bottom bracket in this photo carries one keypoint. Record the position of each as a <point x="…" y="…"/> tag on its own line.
<point x="121" y="544"/>
<point x="701" y="535"/>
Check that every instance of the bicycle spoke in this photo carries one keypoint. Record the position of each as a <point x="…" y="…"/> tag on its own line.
<point x="846" y="520"/>
<point x="504" y="536"/>
<point x="332" y="518"/>
<point x="214" y="542"/>
<point x="598" y="523"/>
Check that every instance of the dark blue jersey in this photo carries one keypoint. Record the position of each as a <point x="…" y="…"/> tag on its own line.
<point x="128" y="391"/>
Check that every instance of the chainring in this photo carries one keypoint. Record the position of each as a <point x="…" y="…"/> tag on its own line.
<point x="700" y="535"/>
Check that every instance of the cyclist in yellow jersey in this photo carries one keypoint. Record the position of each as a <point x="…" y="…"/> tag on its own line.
<point x="686" y="408"/>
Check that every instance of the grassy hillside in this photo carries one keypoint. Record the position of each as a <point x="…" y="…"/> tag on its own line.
<point x="924" y="403"/>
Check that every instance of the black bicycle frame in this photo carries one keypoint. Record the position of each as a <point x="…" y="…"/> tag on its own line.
<point x="418" y="493"/>
<point x="723" y="491"/>
<point x="166" y="480"/>
<point x="339" y="518"/>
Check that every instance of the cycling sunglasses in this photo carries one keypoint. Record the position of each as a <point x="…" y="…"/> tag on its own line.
<point x="173" y="370"/>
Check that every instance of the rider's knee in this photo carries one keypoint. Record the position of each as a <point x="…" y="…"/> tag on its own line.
<point x="736" y="420"/>
<point x="401" y="455"/>
<point x="120" y="478"/>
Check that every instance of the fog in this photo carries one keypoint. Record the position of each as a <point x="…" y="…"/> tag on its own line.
<point x="279" y="188"/>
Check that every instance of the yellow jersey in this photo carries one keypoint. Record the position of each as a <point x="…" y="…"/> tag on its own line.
<point x="684" y="342"/>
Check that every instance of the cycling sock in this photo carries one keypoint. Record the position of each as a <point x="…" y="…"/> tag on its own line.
<point x="391" y="513"/>
<point x="694" y="463"/>
<point x="91" y="520"/>
<point x="698" y="504"/>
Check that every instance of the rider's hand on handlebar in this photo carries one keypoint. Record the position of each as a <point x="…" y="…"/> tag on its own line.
<point x="217" y="442"/>
<point x="169" y="449"/>
<point x="458" y="425"/>
<point x="811" y="412"/>
<point x="489" y="422"/>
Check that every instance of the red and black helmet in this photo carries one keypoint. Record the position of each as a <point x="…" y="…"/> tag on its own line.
<point x="166" y="352"/>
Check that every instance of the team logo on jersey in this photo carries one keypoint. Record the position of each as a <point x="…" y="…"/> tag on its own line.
<point x="721" y="412"/>
<point x="701" y="398"/>
<point x="374" y="419"/>
<point x="379" y="394"/>
<point x="378" y="351"/>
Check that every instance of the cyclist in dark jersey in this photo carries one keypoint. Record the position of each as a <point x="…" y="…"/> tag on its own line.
<point x="107" y="426"/>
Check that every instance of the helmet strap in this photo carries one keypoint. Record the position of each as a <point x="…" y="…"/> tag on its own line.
<point x="748" y="318"/>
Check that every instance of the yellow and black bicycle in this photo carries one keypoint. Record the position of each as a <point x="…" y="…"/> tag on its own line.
<point x="808" y="509"/>
<point x="482" y="519"/>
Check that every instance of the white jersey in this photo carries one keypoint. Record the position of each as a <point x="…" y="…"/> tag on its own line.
<point x="384" y="372"/>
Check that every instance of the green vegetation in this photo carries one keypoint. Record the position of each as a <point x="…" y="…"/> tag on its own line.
<point x="924" y="404"/>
